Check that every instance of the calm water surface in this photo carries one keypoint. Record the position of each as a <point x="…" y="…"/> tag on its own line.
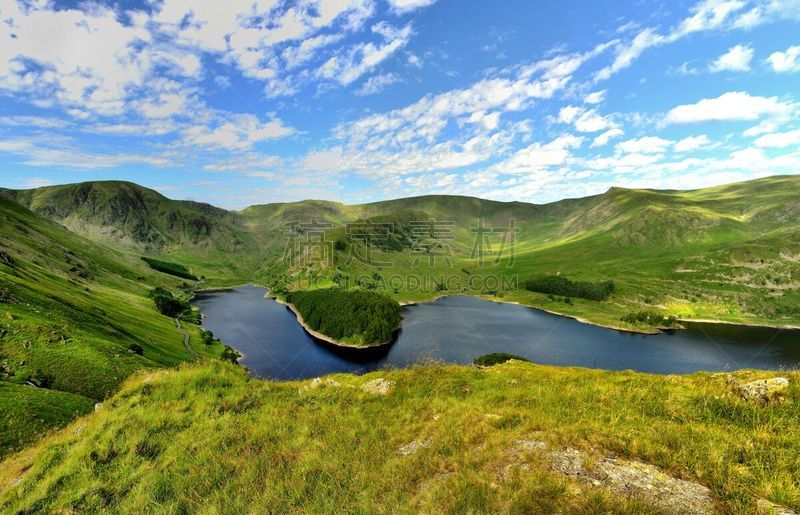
<point x="459" y="329"/>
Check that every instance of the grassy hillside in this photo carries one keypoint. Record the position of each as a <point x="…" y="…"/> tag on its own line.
<point x="129" y="216"/>
<point x="728" y="253"/>
<point x="75" y="318"/>
<point x="438" y="439"/>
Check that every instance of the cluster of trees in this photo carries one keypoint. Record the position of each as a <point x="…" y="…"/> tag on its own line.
<point x="497" y="358"/>
<point x="557" y="285"/>
<point x="170" y="268"/>
<point x="651" y="318"/>
<point x="364" y="316"/>
<point x="167" y="304"/>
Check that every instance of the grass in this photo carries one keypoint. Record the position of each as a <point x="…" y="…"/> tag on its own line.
<point x="70" y="315"/>
<point x="209" y="438"/>
<point x="496" y="358"/>
<point x="27" y="413"/>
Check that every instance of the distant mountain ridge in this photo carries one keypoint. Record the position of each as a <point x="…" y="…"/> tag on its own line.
<point x="141" y="219"/>
<point x="730" y="252"/>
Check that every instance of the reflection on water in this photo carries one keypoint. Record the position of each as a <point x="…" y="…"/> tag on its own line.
<point x="459" y="329"/>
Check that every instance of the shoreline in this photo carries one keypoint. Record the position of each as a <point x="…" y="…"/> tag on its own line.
<point x="577" y="318"/>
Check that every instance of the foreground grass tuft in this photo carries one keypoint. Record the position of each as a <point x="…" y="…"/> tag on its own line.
<point x="208" y="437"/>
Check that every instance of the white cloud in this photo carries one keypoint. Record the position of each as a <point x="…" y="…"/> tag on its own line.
<point x="88" y="59"/>
<point x="35" y="182"/>
<point x="377" y="83"/>
<point x="646" y="145"/>
<point x="404" y="6"/>
<point x="363" y="57"/>
<point x="737" y="59"/>
<point x="52" y="152"/>
<point x="585" y="120"/>
<point x="305" y="51"/>
<point x="415" y="61"/>
<point x="595" y="98"/>
<point x="567" y="114"/>
<point x="692" y="143"/>
<point x="540" y="156"/>
<point x="238" y="132"/>
<point x="607" y="136"/>
<point x="706" y="15"/>
<point x="787" y="61"/>
<point x="779" y="139"/>
<point x="731" y="106"/>
<point x="252" y="164"/>
<point x="514" y="90"/>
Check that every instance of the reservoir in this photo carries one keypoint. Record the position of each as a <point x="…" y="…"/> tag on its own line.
<point x="458" y="329"/>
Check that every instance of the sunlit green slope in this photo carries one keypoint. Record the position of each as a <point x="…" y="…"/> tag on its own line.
<point x="75" y="318"/>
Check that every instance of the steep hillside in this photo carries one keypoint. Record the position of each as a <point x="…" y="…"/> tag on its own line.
<point x="75" y="318"/>
<point x="128" y="216"/>
<point x="514" y="438"/>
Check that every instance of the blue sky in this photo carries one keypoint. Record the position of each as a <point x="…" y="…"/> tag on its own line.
<point x="244" y="102"/>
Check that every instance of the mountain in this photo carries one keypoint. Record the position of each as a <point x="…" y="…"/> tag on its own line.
<point x="726" y="253"/>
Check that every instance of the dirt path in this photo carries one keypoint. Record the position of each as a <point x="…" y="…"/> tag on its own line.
<point x="186" y="345"/>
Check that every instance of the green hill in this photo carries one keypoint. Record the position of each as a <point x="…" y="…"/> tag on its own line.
<point x="134" y="218"/>
<point x="513" y="438"/>
<point x="75" y="318"/>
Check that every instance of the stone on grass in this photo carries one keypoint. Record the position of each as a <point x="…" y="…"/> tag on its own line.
<point x="412" y="447"/>
<point x="319" y="382"/>
<point x="378" y="386"/>
<point x="765" y="391"/>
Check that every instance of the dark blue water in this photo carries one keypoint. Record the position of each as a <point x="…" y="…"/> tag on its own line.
<point x="459" y="329"/>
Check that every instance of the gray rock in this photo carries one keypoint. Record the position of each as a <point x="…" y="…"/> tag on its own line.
<point x="765" y="391"/>
<point x="625" y="478"/>
<point x="378" y="386"/>
<point x="319" y="382"/>
<point x="412" y="447"/>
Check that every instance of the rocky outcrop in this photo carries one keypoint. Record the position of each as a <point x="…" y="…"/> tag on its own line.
<point x="622" y="477"/>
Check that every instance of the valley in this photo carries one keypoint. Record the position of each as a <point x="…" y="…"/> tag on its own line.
<point x="103" y="356"/>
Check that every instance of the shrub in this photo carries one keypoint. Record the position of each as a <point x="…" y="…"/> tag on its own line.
<point x="207" y="337"/>
<point x="487" y="360"/>
<point x="557" y="285"/>
<point x="230" y="354"/>
<point x="6" y="259"/>
<point x="147" y="450"/>
<point x="167" y="304"/>
<point x="651" y="318"/>
<point x="39" y="379"/>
